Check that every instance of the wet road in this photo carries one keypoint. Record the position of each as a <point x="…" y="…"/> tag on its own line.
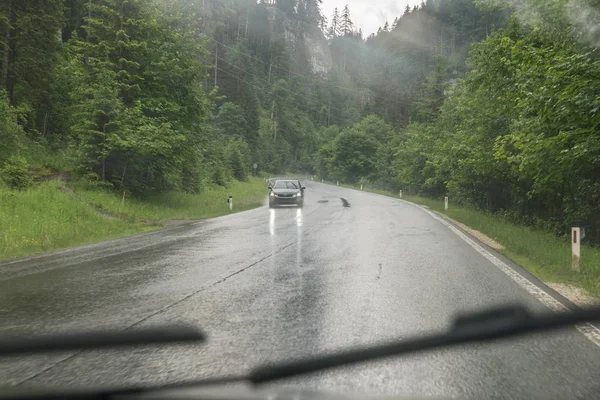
<point x="266" y="285"/>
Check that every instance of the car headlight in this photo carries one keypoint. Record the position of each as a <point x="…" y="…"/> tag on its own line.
<point x="298" y="194"/>
<point x="272" y="194"/>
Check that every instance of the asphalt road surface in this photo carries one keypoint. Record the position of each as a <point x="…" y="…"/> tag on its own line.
<point x="269" y="285"/>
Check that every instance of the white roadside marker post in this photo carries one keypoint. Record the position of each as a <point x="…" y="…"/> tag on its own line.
<point x="230" y="201"/>
<point x="575" y="248"/>
<point x="338" y="183"/>
<point x="361" y="187"/>
<point x="400" y="193"/>
<point x="446" y="203"/>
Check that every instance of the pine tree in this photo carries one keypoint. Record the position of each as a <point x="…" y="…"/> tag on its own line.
<point x="323" y="24"/>
<point x="395" y="23"/>
<point x="287" y="6"/>
<point x="386" y="27"/>
<point x="75" y="13"/>
<point x="6" y="17"/>
<point x="433" y="91"/>
<point x="313" y="11"/>
<point x="29" y="43"/>
<point x="334" y="28"/>
<point x="407" y="10"/>
<point x="137" y="102"/>
<point x="347" y="26"/>
<point x="240" y="87"/>
<point x="108" y="84"/>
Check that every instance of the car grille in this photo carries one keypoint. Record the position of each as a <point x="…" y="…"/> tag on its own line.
<point x="285" y="195"/>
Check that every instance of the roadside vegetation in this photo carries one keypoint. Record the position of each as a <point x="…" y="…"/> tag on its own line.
<point x="55" y="215"/>
<point x="176" y="205"/>
<point x="47" y="218"/>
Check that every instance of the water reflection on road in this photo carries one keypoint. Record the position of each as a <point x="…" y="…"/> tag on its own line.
<point x="299" y="237"/>
<point x="285" y="218"/>
<point x="272" y="222"/>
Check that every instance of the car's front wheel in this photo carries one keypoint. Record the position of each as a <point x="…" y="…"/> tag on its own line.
<point x="301" y="204"/>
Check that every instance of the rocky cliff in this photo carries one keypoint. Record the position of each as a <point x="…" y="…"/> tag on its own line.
<point x="300" y="34"/>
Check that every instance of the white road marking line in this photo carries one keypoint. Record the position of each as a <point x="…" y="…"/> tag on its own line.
<point x="587" y="329"/>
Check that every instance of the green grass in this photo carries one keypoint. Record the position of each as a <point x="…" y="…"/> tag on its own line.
<point x="542" y="253"/>
<point x="50" y="216"/>
<point x="210" y="203"/>
<point x="47" y="218"/>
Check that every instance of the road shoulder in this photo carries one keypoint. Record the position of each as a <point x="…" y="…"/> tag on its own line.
<point x="569" y="295"/>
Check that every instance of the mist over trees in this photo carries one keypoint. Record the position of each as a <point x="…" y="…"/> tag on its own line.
<point x="494" y="103"/>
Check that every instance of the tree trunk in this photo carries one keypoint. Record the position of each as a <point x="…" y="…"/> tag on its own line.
<point x="104" y="156"/>
<point x="270" y="63"/>
<point x="273" y="120"/>
<point x="5" y="58"/>
<point x="45" y="127"/>
<point x="328" y="107"/>
<point x="216" y="62"/>
<point x="123" y="174"/>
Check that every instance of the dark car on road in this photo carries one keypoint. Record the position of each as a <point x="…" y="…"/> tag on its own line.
<point x="286" y="192"/>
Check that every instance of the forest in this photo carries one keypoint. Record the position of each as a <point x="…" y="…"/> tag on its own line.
<point x="491" y="102"/>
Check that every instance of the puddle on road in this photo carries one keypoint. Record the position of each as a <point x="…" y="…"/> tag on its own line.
<point x="345" y="202"/>
<point x="323" y="201"/>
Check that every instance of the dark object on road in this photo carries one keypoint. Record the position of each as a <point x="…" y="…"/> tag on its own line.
<point x="286" y="192"/>
<point x="469" y="328"/>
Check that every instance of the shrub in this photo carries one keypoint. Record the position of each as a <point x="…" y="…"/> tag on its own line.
<point x="15" y="173"/>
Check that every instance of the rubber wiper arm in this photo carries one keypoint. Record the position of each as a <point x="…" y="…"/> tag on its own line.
<point x="99" y="339"/>
<point x="469" y="328"/>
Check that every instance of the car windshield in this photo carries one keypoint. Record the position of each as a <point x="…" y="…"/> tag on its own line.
<point x="297" y="177"/>
<point x="286" y="185"/>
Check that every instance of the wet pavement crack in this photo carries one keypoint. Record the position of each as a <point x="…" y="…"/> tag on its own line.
<point x="181" y="300"/>
<point x="162" y="310"/>
<point x="379" y="272"/>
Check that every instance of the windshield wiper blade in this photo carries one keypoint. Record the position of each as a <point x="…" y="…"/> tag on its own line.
<point x="468" y="328"/>
<point x="99" y="339"/>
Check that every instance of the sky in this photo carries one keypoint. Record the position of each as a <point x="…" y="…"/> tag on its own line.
<point x="369" y="14"/>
